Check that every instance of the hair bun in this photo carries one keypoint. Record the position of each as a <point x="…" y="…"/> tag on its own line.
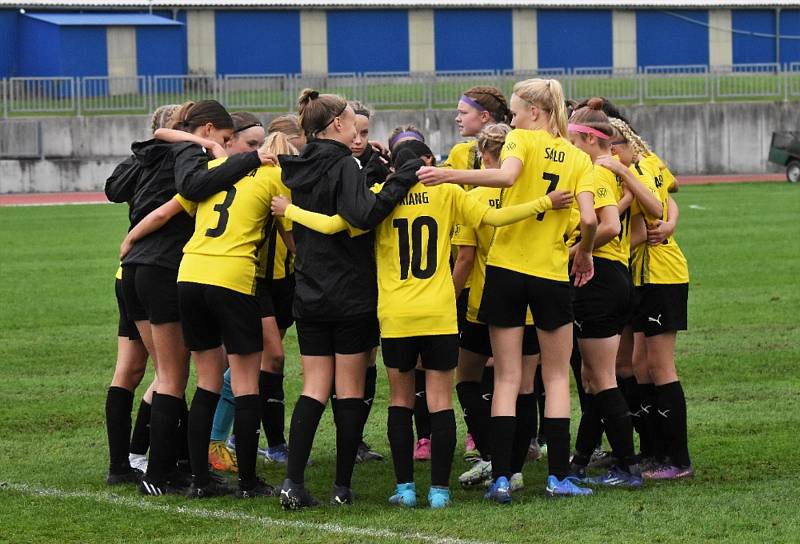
<point x="313" y="95"/>
<point x="595" y="103"/>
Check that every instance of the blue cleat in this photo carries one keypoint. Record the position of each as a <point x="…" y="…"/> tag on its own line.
<point x="564" y="488"/>
<point x="616" y="477"/>
<point x="405" y="495"/>
<point x="438" y="497"/>
<point x="500" y="492"/>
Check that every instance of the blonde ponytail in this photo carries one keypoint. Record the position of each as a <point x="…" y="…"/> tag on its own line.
<point x="548" y="96"/>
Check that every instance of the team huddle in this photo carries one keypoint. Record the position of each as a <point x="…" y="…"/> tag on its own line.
<point x="542" y="245"/>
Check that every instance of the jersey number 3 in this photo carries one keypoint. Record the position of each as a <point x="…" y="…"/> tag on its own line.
<point x="414" y="256"/>
<point x="224" y="214"/>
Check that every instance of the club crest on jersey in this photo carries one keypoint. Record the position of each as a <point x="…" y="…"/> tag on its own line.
<point x="602" y="192"/>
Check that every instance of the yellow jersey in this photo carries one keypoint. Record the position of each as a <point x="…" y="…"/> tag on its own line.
<point x="663" y="263"/>
<point x="536" y="246"/>
<point x="663" y="174"/>
<point x="479" y="237"/>
<point x="464" y="156"/>
<point x="608" y="192"/>
<point x="416" y="296"/>
<point x="230" y="231"/>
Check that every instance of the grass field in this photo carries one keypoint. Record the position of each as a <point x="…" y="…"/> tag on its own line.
<point x="740" y="366"/>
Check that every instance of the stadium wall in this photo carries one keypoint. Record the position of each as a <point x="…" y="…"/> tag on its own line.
<point x="77" y="154"/>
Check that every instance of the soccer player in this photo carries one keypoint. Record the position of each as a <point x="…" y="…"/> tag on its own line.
<point x="661" y="276"/>
<point x="150" y="268"/>
<point x="336" y="293"/>
<point x="417" y="310"/>
<point x="475" y="346"/>
<point x="527" y="267"/>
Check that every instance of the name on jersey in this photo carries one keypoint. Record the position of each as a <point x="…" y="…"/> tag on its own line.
<point x="412" y="199"/>
<point x="551" y="154"/>
<point x="494" y="202"/>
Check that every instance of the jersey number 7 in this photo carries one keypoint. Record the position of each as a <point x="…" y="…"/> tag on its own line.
<point x="414" y="256"/>
<point x="553" y="179"/>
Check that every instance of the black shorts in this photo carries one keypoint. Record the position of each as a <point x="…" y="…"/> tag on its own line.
<point x="508" y="294"/>
<point x="661" y="308"/>
<point x="356" y="334"/>
<point x="151" y="293"/>
<point x="265" y="306"/>
<point x="437" y="352"/>
<point x="603" y="306"/>
<point x="475" y="338"/>
<point x="214" y="315"/>
<point x="461" y="309"/>
<point x="127" y="328"/>
<point x="282" y="291"/>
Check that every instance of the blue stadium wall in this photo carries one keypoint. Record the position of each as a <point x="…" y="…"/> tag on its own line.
<point x="372" y="40"/>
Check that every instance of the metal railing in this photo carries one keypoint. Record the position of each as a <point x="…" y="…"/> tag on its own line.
<point x="394" y="90"/>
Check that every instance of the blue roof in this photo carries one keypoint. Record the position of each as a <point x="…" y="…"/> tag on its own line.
<point x="103" y="19"/>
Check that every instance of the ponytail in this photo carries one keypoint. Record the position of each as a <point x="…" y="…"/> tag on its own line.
<point x="548" y="96"/>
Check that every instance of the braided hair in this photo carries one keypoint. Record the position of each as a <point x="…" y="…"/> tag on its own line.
<point x="492" y="100"/>
<point x="639" y="146"/>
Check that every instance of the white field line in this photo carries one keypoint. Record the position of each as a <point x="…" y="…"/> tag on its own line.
<point x="228" y="515"/>
<point x="32" y="204"/>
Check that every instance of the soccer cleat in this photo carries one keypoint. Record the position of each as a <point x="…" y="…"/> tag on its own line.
<point x="564" y="488"/>
<point x="214" y="488"/>
<point x="577" y="473"/>
<point x="255" y="491"/>
<point x="516" y="483"/>
<point x="138" y="461"/>
<point x="438" y="497"/>
<point x="534" y="452"/>
<point x="404" y="495"/>
<point x="471" y="453"/>
<point x="157" y="489"/>
<point x="616" y="477"/>
<point x="601" y="459"/>
<point x="341" y="495"/>
<point x="130" y="476"/>
<point x="422" y="451"/>
<point x="668" y="472"/>
<point x="221" y="458"/>
<point x="279" y="454"/>
<point x="179" y="480"/>
<point x="500" y="491"/>
<point x="295" y="496"/>
<point x="365" y="453"/>
<point x="480" y="472"/>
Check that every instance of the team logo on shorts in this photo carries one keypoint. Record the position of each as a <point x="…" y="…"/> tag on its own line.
<point x="602" y="192"/>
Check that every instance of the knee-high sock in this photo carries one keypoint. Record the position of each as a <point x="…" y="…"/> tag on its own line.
<point x="557" y="433"/>
<point x="140" y="438"/>
<point x="349" y="419"/>
<point x="619" y="429"/>
<point x="223" y="416"/>
<point x="245" y="426"/>
<point x="526" y="423"/>
<point x="201" y="417"/>
<point x="164" y="416"/>
<point x="369" y="392"/>
<point x="273" y="411"/>
<point x="422" y="419"/>
<point x="671" y="410"/>
<point x="443" y="444"/>
<point x="590" y="431"/>
<point x="305" y="420"/>
<point x="400" y="432"/>
<point x="477" y="415"/>
<point x="119" y="403"/>
<point x="502" y="433"/>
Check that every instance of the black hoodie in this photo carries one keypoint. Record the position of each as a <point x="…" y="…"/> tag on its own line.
<point x="335" y="275"/>
<point x="162" y="165"/>
<point x="375" y="170"/>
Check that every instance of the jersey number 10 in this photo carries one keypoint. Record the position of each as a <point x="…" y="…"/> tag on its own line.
<point x="414" y="256"/>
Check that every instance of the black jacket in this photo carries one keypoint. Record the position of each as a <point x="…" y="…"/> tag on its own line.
<point x="121" y="184"/>
<point x="335" y="275"/>
<point x="161" y="166"/>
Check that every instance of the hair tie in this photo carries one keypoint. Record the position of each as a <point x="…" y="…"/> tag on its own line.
<point x="313" y="95"/>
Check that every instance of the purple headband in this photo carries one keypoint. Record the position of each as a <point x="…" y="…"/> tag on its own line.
<point x="406" y="134"/>
<point x="471" y="102"/>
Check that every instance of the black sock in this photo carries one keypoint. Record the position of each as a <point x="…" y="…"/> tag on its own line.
<point x="590" y="431"/>
<point x="619" y="429"/>
<point x="526" y="423"/>
<point x="140" y="438"/>
<point x="538" y="390"/>
<point x="305" y="420"/>
<point x="671" y="410"/>
<point x="630" y="390"/>
<point x="369" y="392"/>
<point x="502" y="433"/>
<point x="182" y="444"/>
<point x="349" y="427"/>
<point x="119" y="403"/>
<point x="476" y="415"/>
<point x="246" y="422"/>
<point x="273" y="411"/>
<point x="557" y="432"/>
<point x="164" y="415"/>
<point x="201" y="417"/>
<point x="422" y="419"/>
<point x="651" y="442"/>
<point x="487" y="389"/>
<point x="401" y="441"/>
<point x="443" y="444"/>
